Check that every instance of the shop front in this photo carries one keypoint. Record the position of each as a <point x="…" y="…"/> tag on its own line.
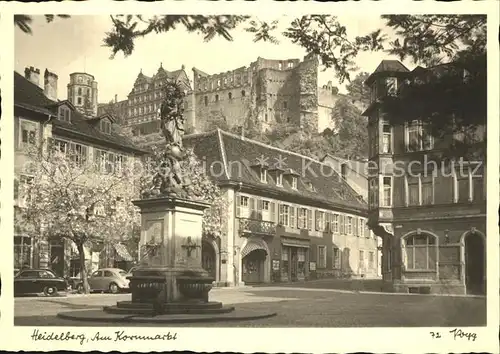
<point x="294" y="259"/>
<point x="254" y="258"/>
<point x="23" y="255"/>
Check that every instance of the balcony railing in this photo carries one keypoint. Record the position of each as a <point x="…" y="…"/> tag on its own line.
<point x="256" y="226"/>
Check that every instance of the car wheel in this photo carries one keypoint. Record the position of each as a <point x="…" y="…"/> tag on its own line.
<point x="113" y="288"/>
<point x="50" y="291"/>
<point x="80" y="289"/>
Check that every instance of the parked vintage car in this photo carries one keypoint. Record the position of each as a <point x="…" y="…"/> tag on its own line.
<point x="36" y="281"/>
<point x="107" y="279"/>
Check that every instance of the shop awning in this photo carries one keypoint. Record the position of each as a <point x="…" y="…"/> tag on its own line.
<point x="122" y="253"/>
<point x="252" y="246"/>
<point x="294" y="242"/>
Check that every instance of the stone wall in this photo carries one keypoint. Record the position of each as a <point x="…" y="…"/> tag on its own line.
<point x="307" y="73"/>
<point x="272" y="92"/>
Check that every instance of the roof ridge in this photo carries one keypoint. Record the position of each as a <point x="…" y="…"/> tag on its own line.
<point x="270" y="146"/>
<point x="201" y="134"/>
<point x="222" y="151"/>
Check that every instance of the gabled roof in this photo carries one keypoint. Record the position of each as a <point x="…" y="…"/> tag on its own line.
<point x="31" y="97"/>
<point x="387" y="67"/>
<point x="232" y="157"/>
<point x="161" y="72"/>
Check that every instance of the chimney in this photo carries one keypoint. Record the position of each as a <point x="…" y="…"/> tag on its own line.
<point x="50" y="85"/>
<point x="33" y="75"/>
<point x="116" y="98"/>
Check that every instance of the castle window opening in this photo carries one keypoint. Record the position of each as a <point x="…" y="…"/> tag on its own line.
<point x="265" y="117"/>
<point x="243" y="93"/>
<point x="290" y="65"/>
<point x="206" y="100"/>
<point x="280" y="66"/>
<point x="216" y="98"/>
<point x="230" y="95"/>
<point x="79" y="100"/>
<point x="218" y="83"/>
<point x="79" y="90"/>
<point x="284" y="105"/>
<point x="288" y="119"/>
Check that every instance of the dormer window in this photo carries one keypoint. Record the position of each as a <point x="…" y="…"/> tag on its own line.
<point x="64" y="114"/>
<point x="263" y="175"/>
<point x="310" y="185"/>
<point x="261" y="167"/>
<point x="279" y="178"/>
<point x="294" y="182"/>
<point x="105" y="126"/>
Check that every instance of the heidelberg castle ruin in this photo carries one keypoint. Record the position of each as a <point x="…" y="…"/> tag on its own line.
<point x="267" y="91"/>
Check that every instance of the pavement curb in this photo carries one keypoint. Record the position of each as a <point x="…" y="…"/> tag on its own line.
<point x="101" y="316"/>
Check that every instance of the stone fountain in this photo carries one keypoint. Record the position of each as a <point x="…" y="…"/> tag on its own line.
<point x="170" y="285"/>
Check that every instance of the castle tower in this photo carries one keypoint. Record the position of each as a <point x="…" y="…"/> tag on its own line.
<point x="82" y="93"/>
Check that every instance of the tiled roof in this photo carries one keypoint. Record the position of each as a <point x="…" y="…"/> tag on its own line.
<point x="233" y="156"/>
<point x="31" y="97"/>
<point x="387" y="66"/>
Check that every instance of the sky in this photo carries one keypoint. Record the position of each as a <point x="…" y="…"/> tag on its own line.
<point x="75" y="45"/>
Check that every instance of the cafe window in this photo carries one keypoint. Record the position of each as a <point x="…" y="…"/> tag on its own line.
<point x="420" y="252"/>
<point x="22" y="252"/>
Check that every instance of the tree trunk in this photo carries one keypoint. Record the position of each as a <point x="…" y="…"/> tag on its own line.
<point x="83" y="268"/>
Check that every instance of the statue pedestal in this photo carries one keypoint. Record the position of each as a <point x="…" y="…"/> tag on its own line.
<point x="171" y="278"/>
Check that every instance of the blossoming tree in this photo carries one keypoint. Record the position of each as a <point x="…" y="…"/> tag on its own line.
<point x="82" y="201"/>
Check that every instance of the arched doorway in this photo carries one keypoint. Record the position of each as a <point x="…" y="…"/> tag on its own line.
<point x="208" y="258"/>
<point x="253" y="258"/>
<point x="475" y="263"/>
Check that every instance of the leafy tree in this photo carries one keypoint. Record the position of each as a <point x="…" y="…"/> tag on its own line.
<point x="24" y="21"/>
<point x="426" y="39"/>
<point x="73" y="199"/>
<point x="357" y="90"/>
<point x="350" y="138"/>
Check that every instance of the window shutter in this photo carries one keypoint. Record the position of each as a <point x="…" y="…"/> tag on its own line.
<point x="251" y="206"/>
<point x="238" y="205"/>
<point x="309" y="219"/>
<point x="272" y="208"/>
<point x="316" y="220"/>
<point x="280" y="214"/>
<point x="341" y="222"/>
<point x="292" y="216"/>
<point x="259" y="209"/>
